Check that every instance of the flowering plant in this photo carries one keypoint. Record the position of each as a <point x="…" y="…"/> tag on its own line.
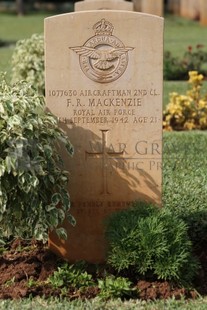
<point x="176" y="68"/>
<point x="189" y="111"/>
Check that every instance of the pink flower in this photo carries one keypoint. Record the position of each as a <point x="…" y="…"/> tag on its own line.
<point x="199" y="46"/>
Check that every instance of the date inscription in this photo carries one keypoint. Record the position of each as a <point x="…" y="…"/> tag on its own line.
<point x="105" y="106"/>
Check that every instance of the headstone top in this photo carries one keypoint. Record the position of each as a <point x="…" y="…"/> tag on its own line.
<point x="88" y="5"/>
<point x="154" y="7"/>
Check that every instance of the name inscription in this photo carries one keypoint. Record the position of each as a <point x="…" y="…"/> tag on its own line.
<point x="106" y="106"/>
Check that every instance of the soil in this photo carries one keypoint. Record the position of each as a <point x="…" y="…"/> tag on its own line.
<point x="24" y="263"/>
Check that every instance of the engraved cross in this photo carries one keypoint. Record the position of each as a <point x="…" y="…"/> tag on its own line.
<point x="104" y="154"/>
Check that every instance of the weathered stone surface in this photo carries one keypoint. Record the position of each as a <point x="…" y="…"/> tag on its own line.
<point x="89" y="5"/>
<point x="190" y="9"/>
<point x="154" y="7"/>
<point x="174" y="6"/>
<point x="203" y="12"/>
<point x="104" y="82"/>
<point x="184" y="8"/>
<point x="194" y="9"/>
<point x="137" y="5"/>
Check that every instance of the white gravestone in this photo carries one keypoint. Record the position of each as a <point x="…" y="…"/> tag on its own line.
<point x="104" y="83"/>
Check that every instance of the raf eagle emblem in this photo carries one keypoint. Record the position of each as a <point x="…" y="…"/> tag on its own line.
<point x="104" y="57"/>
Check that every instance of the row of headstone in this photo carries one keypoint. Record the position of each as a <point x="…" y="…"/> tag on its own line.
<point x="192" y="9"/>
<point x="144" y="6"/>
<point x="203" y="12"/>
<point x="88" y="5"/>
<point x="104" y="83"/>
<point x="155" y="7"/>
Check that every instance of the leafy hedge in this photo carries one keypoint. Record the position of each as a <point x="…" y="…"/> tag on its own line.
<point x="176" y="68"/>
<point x="28" y="62"/>
<point x="33" y="182"/>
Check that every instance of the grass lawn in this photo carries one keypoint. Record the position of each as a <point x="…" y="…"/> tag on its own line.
<point x="181" y="33"/>
<point x="96" y="304"/>
<point x="185" y="170"/>
<point x="14" y="27"/>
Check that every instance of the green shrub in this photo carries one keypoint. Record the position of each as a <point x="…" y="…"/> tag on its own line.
<point x="151" y="241"/>
<point x="196" y="221"/>
<point x="28" y="62"/>
<point x="172" y="68"/>
<point x="33" y="182"/>
<point x="177" y="68"/>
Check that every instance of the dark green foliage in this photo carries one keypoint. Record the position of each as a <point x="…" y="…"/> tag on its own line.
<point x="151" y="241"/>
<point x="197" y="223"/>
<point x="172" y="68"/>
<point x="177" y="68"/>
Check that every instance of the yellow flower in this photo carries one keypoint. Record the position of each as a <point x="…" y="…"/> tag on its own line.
<point x="187" y="111"/>
<point x="168" y="117"/>
<point x="189" y="125"/>
<point x="200" y="77"/>
<point x="203" y="121"/>
<point x="202" y="104"/>
<point x="183" y="97"/>
<point x="195" y="78"/>
<point x="186" y="103"/>
<point x="192" y="73"/>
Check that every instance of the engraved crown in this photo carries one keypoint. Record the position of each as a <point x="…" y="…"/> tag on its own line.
<point x="103" y="27"/>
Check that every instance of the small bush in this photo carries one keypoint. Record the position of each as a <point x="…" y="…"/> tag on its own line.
<point x="197" y="226"/>
<point x="112" y="287"/>
<point x="173" y="70"/>
<point x="151" y="241"/>
<point x="189" y="111"/>
<point x="33" y="182"/>
<point x="176" y="68"/>
<point x="71" y="276"/>
<point x="28" y="62"/>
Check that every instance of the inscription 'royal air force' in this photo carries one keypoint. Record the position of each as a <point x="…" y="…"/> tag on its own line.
<point x="103" y="58"/>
